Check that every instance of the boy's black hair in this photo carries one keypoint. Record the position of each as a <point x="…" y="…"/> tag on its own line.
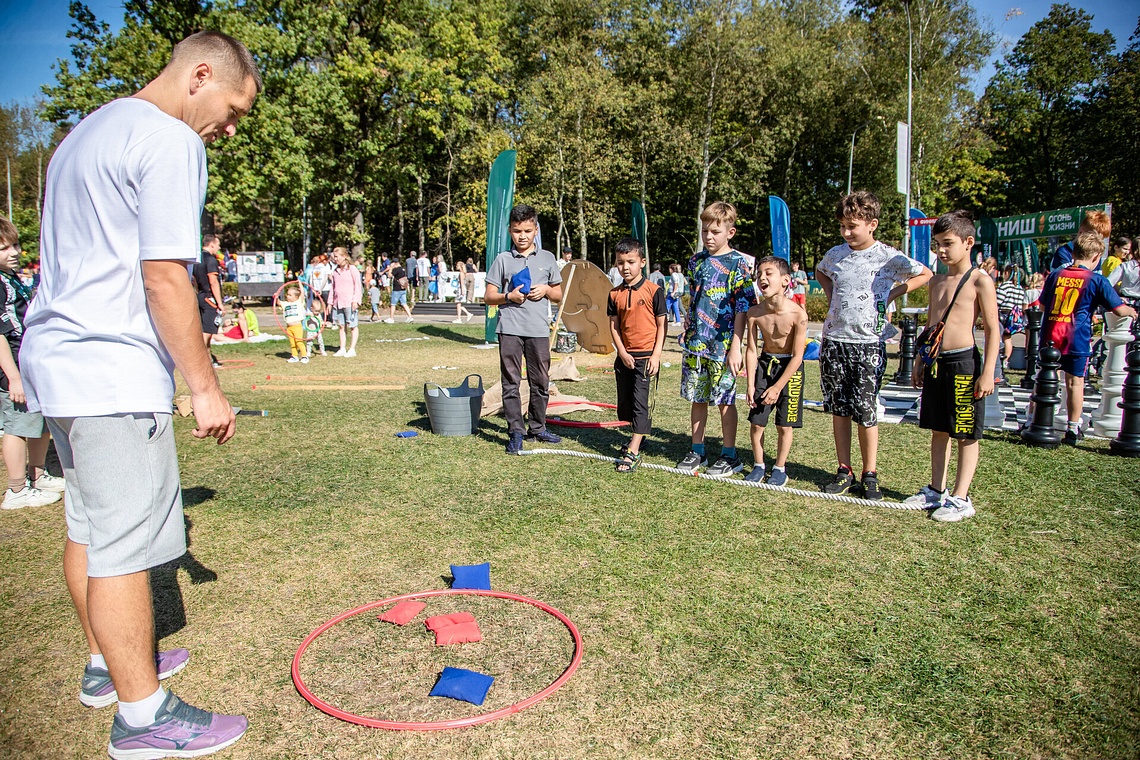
<point x="958" y="222"/>
<point x="523" y="213"/>
<point x="780" y="264"/>
<point x="861" y="205"/>
<point x="629" y="245"/>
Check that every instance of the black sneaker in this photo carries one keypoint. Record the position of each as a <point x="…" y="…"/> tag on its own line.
<point x="692" y="463"/>
<point x="514" y="443"/>
<point x="725" y="466"/>
<point x="871" y="490"/>
<point x="544" y="436"/>
<point x="1072" y="439"/>
<point x="842" y="483"/>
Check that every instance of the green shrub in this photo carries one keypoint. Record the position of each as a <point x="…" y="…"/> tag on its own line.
<point x="816" y="307"/>
<point x="229" y="290"/>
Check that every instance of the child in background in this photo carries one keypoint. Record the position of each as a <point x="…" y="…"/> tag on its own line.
<point x="861" y="278"/>
<point x="374" y="299"/>
<point x="636" y="309"/>
<point x="959" y="378"/>
<point x="1011" y="310"/>
<point x="712" y="341"/>
<point x="778" y="326"/>
<point x="1070" y="296"/>
<point x="1033" y="291"/>
<point x="294" y="315"/>
<point x="25" y="441"/>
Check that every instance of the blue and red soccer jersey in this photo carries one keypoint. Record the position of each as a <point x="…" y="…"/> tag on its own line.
<point x="1068" y="299"/>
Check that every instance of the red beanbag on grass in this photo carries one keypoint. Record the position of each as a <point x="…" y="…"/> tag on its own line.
<point x="458" y="633"/>
<point x="442" y="621"/>
<point x="403" y="613"/>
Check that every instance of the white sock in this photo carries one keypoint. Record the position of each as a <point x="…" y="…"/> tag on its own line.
<point x="97" y="661"/>
<point x="142" y="713"/>
<point x="1072" y="427"/>
<point x="777" y="468"/>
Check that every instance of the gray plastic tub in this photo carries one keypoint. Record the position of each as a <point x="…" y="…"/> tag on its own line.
<point x="454" y="411"/>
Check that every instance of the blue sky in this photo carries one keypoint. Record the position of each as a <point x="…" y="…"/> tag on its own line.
<point x="35" y="34"/>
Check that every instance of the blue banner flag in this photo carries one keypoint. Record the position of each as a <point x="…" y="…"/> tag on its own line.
<point x="920" y="240"/>
<point x="500" y="199"/>
<point x="639" y="229"/>
<point x="781" y="227"/>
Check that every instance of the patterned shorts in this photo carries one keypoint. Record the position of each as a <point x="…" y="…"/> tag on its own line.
<point x="704" y="381"/>
<point x="850" y="376"/>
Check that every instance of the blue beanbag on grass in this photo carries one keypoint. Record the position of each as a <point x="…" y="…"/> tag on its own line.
<point x="465" y="685"/>
<point x="472" y="576"/>
<point x="522" y="277"/>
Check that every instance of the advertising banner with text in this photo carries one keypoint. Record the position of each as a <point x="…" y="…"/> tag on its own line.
<point x="1059" y="223"/>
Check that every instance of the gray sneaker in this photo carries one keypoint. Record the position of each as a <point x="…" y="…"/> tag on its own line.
<point x="927" y="498"/>
<point x="692" y="463"/>
<point x="956" y="509"/>
<point x="726" y="466"/>
<point x="98" y="690"/>
<point x="179" y="730"/>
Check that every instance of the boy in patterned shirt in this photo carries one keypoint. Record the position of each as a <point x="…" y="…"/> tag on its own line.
<point x="721" y="294"/>
<point x="861" y="278"/>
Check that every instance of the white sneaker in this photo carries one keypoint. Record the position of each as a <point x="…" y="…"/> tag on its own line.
<point x="350" y="353"/>
<point x="339" y="351"/>
<point x="50" y="483"/>
<point x="390" y="321"/>
<point x="457" y="321"/>
<point x="304" y="360"/>
<point x="927" y="498"/>
<point x="409" y="319"/>
<point x="955" y="509"/>
<point x="292" y="360"/>
<point x="28" y="497"/>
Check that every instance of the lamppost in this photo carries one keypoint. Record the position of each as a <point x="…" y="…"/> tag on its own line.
<point x="851" y="155"/>
<point x="909" y="123"/>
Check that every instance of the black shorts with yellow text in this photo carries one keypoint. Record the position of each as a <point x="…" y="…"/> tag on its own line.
<point x="948" y="401"/>
<point x="790" y="404"/>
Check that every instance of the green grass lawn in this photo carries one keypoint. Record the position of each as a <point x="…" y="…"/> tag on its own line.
<point x="718" y="621"/>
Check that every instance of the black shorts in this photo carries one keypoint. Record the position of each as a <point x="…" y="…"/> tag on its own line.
<point x="850" y="376"/>
<point x="211" y="317"/>
<point x="790" y="404"/>
<point x="948" y="401"/>
<point x="633" y="395"/>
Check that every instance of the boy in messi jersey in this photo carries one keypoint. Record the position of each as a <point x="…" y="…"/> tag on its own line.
<point x="1070" y="295"/>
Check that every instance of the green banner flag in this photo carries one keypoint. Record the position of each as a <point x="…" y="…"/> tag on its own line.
<point x="1058" y="223"/>
<point x="639" y="229"/>
<point x="500" y="199"/>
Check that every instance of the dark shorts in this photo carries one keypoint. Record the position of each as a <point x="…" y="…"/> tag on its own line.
<point x="211" y="317"/>
<point x="948" y="402"/>
<point x="789" y="406"/>
<point x="1077" y="366"/>
<point x="850" y="376"/>
<point x="633" y="395"/>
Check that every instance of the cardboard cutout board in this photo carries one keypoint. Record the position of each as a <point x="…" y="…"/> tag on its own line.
<point x="585" y="306"/>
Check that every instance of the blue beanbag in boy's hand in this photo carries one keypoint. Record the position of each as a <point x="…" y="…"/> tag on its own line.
<point x="521" y="278"/>
<point x="472" y="576"/>
<point x="466" y="685"/>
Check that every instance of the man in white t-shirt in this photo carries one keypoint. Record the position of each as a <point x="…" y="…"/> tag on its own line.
<point x="423" y="275"/>
<point x="122" y="210"/>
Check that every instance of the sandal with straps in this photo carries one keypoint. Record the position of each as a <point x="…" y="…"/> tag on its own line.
<point x="628" y="462"/>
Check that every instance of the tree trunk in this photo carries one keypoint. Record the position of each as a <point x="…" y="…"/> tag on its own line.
<point x="358" y="223"/>
<point x="420" y="211"/>
<point x="447" y="218"/>
<point x="581" y="193"/>
<point x="401" y="250"/>
<point x="706" y="140"/>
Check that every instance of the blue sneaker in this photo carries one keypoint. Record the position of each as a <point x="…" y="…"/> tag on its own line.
<point x="98" y="690"/>
<point x="514" y="443"/>
<point x="777" y="478"/>
<point x="544" y="436"/>
<point x="755" y="475"/>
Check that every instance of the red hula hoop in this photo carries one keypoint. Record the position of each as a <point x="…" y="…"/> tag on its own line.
<point x="234" y="363"/>
<point x="591" y="403"/>
<point x="439" y="725"/>
<point x="304" y="287"/>
<point x="578" y="424"/>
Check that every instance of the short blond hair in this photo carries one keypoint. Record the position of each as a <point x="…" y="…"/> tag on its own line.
<point x="1097" y="221"/>
<point x="720" y="211"/>
<point x="1088" y="246"/>
<point x="232" y="61"/>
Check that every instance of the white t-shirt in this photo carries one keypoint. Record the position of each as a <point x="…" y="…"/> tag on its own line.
<point x="423" y="266"/>
<point x="861" y="284"/>
<point x="678" y="281"/>
<point x="127" y="185"/>
<point x="322" y="274"/>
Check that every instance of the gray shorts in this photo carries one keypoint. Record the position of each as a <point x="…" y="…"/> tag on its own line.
<point x="347" y="317"/>
<point x="18" y="421"/>
<point x="123" y="493"/>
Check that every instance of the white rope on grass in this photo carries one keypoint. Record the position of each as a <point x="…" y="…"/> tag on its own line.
<point x="736" y="482"/>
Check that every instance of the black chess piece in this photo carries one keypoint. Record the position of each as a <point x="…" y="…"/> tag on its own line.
<point x="1127" y="443"/>
<point x="1034" y="317"/>
<point x="906" y="351"/>
<point x="1046" y="397"/>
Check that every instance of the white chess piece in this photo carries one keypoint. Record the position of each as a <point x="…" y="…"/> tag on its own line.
<point x="1117" y="334"/>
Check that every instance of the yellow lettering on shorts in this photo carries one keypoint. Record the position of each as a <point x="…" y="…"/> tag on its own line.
<point x="795" y="388"/>
<point x="963" y="404"/>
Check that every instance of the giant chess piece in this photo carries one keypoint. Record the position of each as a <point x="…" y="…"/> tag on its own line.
<point x="1106" y="421"/>
<point x="1034" y="318"/>
<point x="906" y="351"/>
<point x="1128" y="442"/>
<point x="1046" y="396"/>
<point x="994" y="413"/>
